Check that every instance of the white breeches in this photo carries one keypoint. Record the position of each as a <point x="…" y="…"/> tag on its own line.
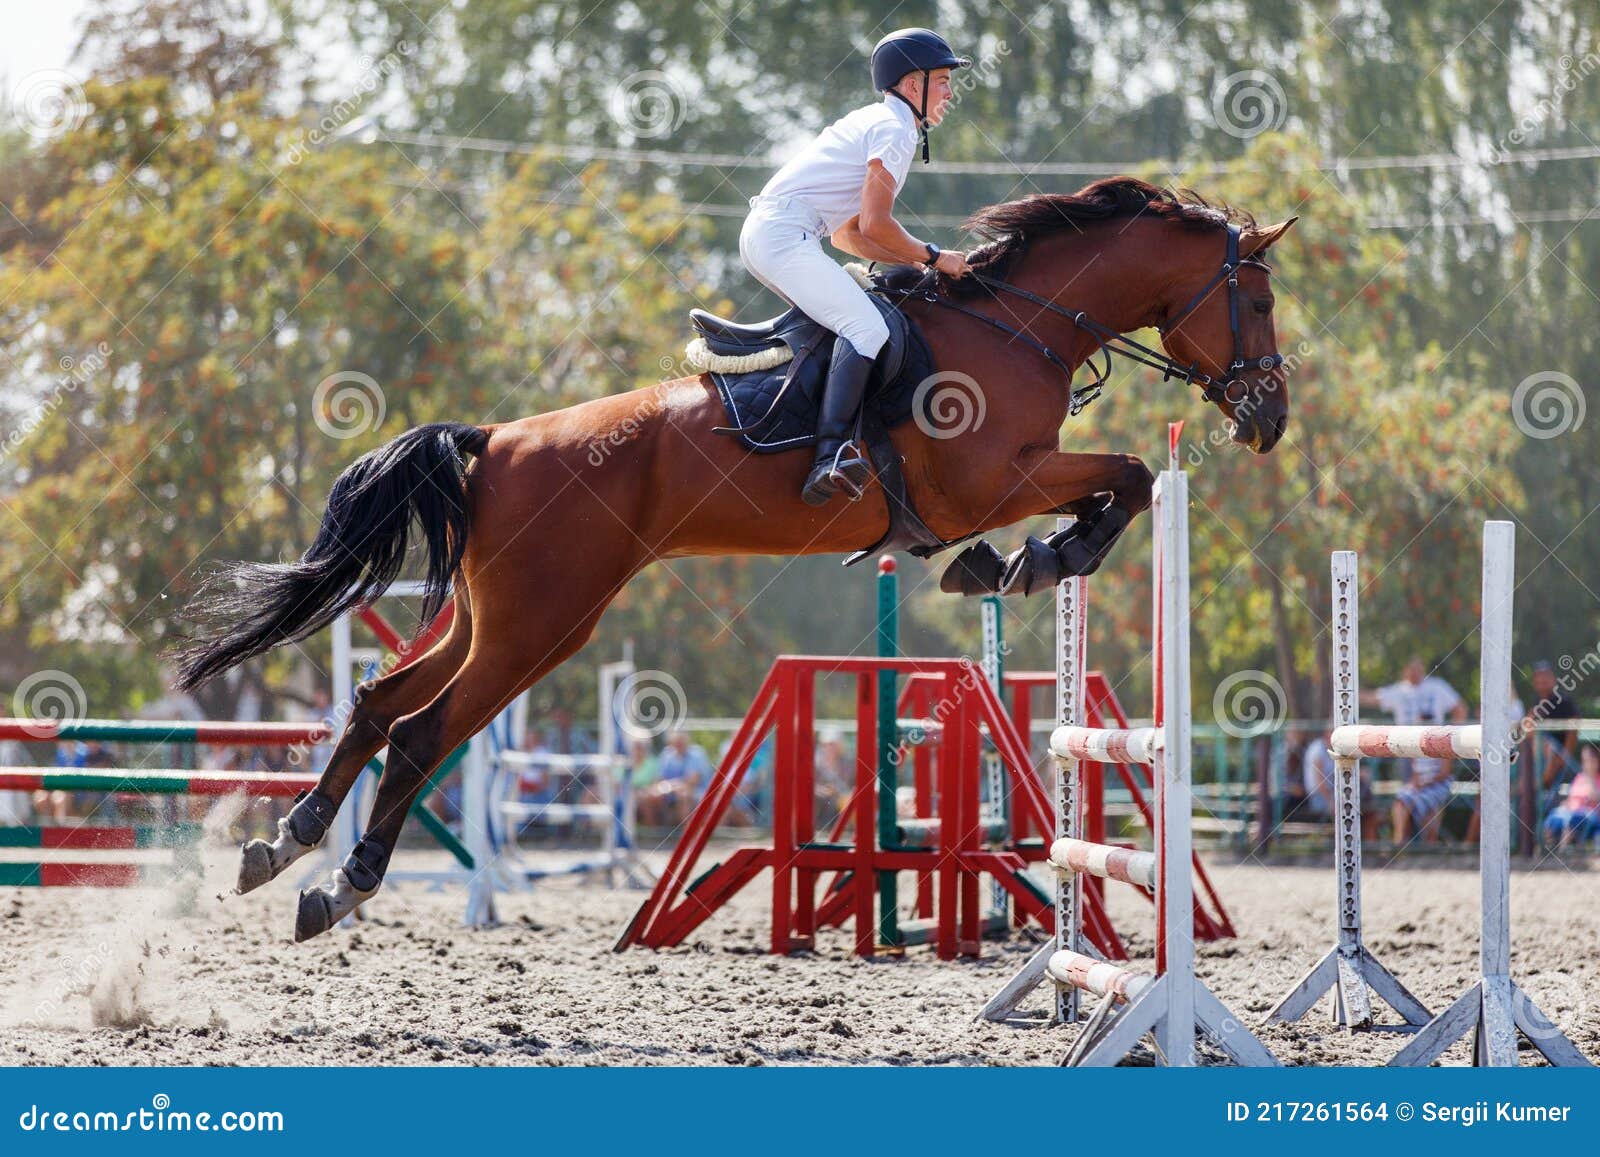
<point x="781" y="244"/>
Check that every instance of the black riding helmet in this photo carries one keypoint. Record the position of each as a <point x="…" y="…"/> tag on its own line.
<point x="913" y="50"/>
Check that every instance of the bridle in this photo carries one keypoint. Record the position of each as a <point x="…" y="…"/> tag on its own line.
<point x="1110" y="341"/>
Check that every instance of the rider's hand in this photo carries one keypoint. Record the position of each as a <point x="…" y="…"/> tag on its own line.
<point x="952" y="264"/>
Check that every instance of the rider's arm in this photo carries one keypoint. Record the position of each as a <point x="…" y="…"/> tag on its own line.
<point x="849" y="239"/>
<point x="877" y="225"/>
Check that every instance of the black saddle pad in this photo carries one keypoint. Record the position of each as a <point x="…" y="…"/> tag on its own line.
<point x="776" y="409"/>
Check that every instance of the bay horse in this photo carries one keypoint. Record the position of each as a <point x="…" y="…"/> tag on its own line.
<point x="538" y="523"/>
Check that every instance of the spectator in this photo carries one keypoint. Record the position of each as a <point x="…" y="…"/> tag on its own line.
<point x="1578" y="817"/>
<point x="1319" y="772"/>
<point x="1557" y="749"/>
<point x="1420" y="699"/>
<point x="683" y="773"/>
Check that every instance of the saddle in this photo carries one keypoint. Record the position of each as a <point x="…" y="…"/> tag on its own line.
<point x="771" y="387"/>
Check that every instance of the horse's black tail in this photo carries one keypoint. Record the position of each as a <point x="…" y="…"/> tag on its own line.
<point x="244" y="609"/>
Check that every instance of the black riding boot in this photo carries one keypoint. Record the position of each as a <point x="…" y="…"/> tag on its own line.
<point x="839" y="465"/>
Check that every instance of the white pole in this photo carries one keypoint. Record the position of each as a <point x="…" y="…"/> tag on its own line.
<point x="1071" y="623"/>
<point x="347" y="827"/>
<point x="475" y="827"/>
<point x="1494" y="698"/>
<point x="1174" y="808"/>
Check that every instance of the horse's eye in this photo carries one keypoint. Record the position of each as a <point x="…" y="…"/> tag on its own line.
<point x="1262" y="305"/>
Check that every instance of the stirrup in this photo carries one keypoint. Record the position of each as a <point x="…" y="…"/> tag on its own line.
<point x="848" y="475"/>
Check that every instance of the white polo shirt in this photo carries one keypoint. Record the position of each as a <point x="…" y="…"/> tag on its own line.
<point x="828" y="173"/>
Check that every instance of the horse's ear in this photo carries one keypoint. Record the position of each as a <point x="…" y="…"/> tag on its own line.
<point x="1257" y="241"/>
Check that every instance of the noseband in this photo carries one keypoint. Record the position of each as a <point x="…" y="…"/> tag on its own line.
<point x="1110" y="341"/>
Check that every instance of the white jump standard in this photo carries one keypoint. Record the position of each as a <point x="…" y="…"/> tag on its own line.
<point x="1173" y="1006"/>
<point x="1494" y="1006"/>
<point x="1349" y="970"/>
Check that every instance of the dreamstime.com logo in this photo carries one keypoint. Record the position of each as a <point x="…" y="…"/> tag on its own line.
<point x="52" y="697"/>
<point x="627" y="430"/>
<point x="160" y="1117"/>
<point x="1249" y="703"/>
<point x="1248" y="103"/>
<point x="649" y="104"/>
<point x="75" y="372"/>
<point x="654" y="704"/>
<point x="1548" y="404"/>
<point x="948" y="404"/>
<point x="373" y="78"/>
<point x="348" y="404"/>
<point x="48" y="103"/>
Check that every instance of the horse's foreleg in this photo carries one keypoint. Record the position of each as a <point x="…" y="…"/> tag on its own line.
<point x="377" y="704"/>
<point x="1102" y="492"/>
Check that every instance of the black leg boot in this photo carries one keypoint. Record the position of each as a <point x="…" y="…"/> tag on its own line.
<point x="839" y="465"/>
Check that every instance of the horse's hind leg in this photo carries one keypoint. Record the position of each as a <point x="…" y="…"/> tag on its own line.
<point x="377" y="704"/>
<point x="502" y="663"/>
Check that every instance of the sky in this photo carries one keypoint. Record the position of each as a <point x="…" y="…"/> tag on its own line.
<point x="38" y="36"/>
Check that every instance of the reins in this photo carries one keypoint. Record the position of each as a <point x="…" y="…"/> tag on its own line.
<point x="1109" y="341"/>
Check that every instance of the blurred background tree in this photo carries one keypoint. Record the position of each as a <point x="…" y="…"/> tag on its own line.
<point x="502" y="207"/>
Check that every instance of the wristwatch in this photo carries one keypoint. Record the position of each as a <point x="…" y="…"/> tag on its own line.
<point x="933" y="254"/>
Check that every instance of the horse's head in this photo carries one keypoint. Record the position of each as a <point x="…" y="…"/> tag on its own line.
<point x="1220" y="321"/>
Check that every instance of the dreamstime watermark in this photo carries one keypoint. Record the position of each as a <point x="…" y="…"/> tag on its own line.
<point x="50" y="697"/>
<point x="75" y="372"/>
<point x="1570" y="72"/>
<point x="374" y="75"/>
<point x="1249" y="703"/>
<point x="1573" y="673"/>
<point x="73" y="980"/>
<point x="1548" y="404"/>
<point x="649" y="104"/>
<point x="972" y="674"/>
<point x="1248" y="103"/>
<point x="653" y="704"/>
<point x="160" y="1117"/>
<point x="636" y="423"/>
<point x="948" y="404"/>
<point x="1557" y="1006"/>
<point x="1197" y="450"/>
<point x="48" y="103"/>
<point x="348" y="404"/>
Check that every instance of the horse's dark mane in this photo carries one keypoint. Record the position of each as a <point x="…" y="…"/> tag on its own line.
<point x="1011" y="226"/>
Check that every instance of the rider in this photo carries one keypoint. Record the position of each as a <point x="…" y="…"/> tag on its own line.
<point x="843" y="184"/>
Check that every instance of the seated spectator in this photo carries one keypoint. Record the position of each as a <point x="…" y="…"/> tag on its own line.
<point x="1578" y="817"/>
<point x="683" y="772"/>
<point x="1320" y="775"/>
<point x="1420" y="699"/>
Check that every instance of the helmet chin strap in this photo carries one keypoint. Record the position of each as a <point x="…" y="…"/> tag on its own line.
<point x="920" y="113"/>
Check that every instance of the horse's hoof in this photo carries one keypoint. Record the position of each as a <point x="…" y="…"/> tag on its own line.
<point x="1033" y="567"/>
<point x="1083" y="546"/>
<point x="314" y="916"/>
<point x="975" y="571"/>
<point x="324" y="906"/>
<point x="255" y="866"/>
<point x="261" y="862"/>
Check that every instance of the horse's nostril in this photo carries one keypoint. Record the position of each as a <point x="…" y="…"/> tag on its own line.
<point x="1280" y="424"/>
